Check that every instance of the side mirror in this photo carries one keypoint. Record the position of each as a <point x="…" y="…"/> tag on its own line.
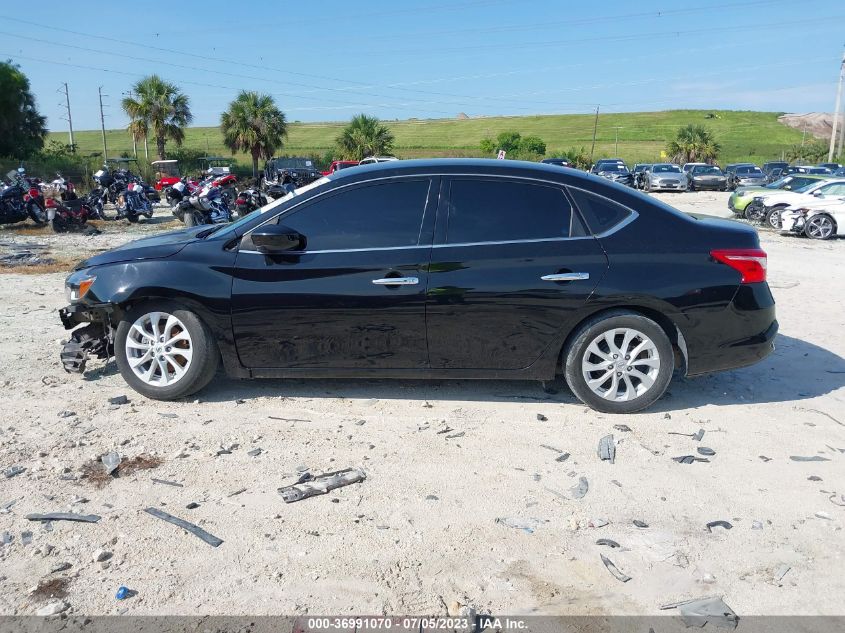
<point x="818" y="194"/>
<point x="276" y="238"/>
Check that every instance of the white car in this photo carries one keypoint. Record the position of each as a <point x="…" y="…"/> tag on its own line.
<point x="372" y="160"/>
<point x="819" y="220"/>
<point x="768" y="207"/>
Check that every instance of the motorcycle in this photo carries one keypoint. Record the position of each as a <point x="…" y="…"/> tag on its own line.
<point x="67" y="215"/>
<point x="207" y="206"/>
<point x="178" y="190"/>
<point x="19" y="200"/>
<point x="132" y="203"/>
<point x="248" y="201"/>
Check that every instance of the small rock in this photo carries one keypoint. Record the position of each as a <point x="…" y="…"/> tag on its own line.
<point x="708" y="579"/>
<point x="814" y="478"/>
<point x="666" y="416"/>
<point x="254" y="452"/>
<point x="640" y="524"/>
<point x="64" y="413"/>
<point x="360" y="422"/>
<point x="101" y="555"/>
<point x="541" y="417"/>
<point x="193" y="505"/>
<point x="757" y="525"/>
<point x="622" y="427"/>
<point x="119" y="400"/>
<point x="13" y="470"/>
<point x="54" y="608"/>
<point x="64" y="566"/>
<point x="432" y="498"/>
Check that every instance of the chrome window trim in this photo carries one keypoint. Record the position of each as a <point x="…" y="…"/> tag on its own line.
<point x="633" y="215"/>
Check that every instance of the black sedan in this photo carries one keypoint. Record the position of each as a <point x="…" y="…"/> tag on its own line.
<point x="434" y="269"/>
<point x="615" y="171"/>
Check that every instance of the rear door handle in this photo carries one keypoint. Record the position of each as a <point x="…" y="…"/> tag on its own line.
<point x="397" y="281"/>
<point x="566" y="277"/>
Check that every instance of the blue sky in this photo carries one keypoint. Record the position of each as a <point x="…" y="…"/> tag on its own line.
<point x="328" y="60"/>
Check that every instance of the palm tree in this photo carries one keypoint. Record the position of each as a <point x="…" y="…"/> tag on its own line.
<point x="255" y="125"/>
<point x="364" y="136"/>
<point x="159" y="107"/>
<point x="693" y="143"/>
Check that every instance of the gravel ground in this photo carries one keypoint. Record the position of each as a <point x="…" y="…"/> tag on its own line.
<point x="431" y="524"/>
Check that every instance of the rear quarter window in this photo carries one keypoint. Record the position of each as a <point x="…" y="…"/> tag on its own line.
<point x="601" y="214"/>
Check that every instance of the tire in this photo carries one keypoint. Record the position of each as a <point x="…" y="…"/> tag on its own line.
<point x="37" y="215"/>
<point x="589" y="348"/>
<point x="181" y="374"/>
<point x="754" y="214"/>
<point x="820" y="227"/>
<point x="647" y="186"/>
<point x="133" y="218"/>
<point x="773" y="219"/>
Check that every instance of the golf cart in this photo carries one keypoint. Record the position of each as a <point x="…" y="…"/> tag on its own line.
<point x="216" y="165"/>
<point x="167" y="173"/>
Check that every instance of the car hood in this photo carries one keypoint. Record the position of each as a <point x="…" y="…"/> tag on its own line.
<point x="155" y="247"/>
<point x="751" y="191"/>
<point x="708" y="177"/>
<point x="669" y="175"/>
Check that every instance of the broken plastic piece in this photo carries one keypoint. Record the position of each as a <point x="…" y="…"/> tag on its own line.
<point x="721" y="524"/>
<point x="698" y="435"/>
<point x="622" y="427"/>
<point x="810" y="458"/>
<point x="613" y="569"/>
<point x="781" y="571"/>
<point x="689" y="459"/>
<point x="562" y="458"/>
<point x="607" y="449"/>
<point x="110" y="461"/>
<point x="13" y="470"/>
<point x="64" y="516"/>
<point x="541" y="417"/>
<point x="321" y="484"/>
<point x="185" y="525"/>
<point x="698" y="613"/>
<point x="703" y="450"/>
<point x="640" y="524"/>
<point x="165" y="482"/>
<point x="610" y="543"/>
<point x="581" y="489"/>
<point x="118" y="400"/>
<point x="526" y="525"/>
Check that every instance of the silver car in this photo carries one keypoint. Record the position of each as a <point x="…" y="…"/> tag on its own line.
<point x="664" y="177"/>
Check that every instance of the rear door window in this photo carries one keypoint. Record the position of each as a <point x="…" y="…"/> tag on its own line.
<point x="485" y="210"/>
<point x="600" y="213"/>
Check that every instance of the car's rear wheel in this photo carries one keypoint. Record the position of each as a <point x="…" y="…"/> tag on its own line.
<point x="619" y="362"/>
<point x="164" y="351"/>
<point x="820" y="227"/>
<point x="773" y="218"/>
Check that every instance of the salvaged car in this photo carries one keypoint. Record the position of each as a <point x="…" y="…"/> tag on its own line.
<point x="664" y="177"/>
<point x="703" y="177"/>
<point x="818" y="220"/>
<point x="767" y="208"/>
<point x="742" y="197"/>
<point x="615" y="170"/>
<point x="746" y="176"/>
<point x="434" y="269"/>
<point x="295" y="171"/>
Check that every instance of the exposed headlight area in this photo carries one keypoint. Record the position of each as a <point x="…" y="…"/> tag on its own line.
<point x="78" y="285"/>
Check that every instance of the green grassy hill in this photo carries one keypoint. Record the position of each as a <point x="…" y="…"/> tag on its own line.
<point x="744" y="136"/>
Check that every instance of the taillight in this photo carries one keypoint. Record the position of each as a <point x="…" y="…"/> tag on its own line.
<point x="751" y="263"/>
<point x="34" y="193"/>
<point x="50" y="203"/>
<point x="240" y="201"/>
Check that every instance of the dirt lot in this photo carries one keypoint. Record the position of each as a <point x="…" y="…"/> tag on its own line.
<point x="422" y="530"/>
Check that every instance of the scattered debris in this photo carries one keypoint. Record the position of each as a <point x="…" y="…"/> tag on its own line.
<point x="54" y="608"/>
<point x="703" y="450"/>
<point x="808" y="458"/>
<point x="541" y="417"/>
<point x="689" y="459"/>
<point x="185" y="525"/>
<point x="6" y="538"/>
<point x="551" y="448"/>
<point x="236" y="492"/>
<point x="696" y="436"/>
<point x="837" y="502"/>
<point x="721" y="524"/>
<point x="607" y="449"/>
<point x="780" y="572"/>
<point x="698" y="612"/>
<point x="64" y="413"/>
<point x="432" y="498"/>
<point x="764" y="458"/>
<point x="455" y="435"/>
<point x="100" y="555"/>
<point x="613" y="569"/>
<point x="610" y="543"/>
<point x="624" y="428"/>
<point x="597" y="523"/>
<point x="26" y="537"/>
<point x="64" y="516"/>
<point x="581" y="489"/>
<point x="821" y="514"/>
<point x="756" y="525"/>
<point x="111" y="461"/>
<point x="193" y="505"/>
<point x="445" y="429"/>
<point x="814" y="478"/>
<point x="165" y="482"/>
<point x="640" y="524"/>
<point x="119" y="400"/>
<point x="562" y="458"/>
<point x="288" y="419"/>
<point x="60" y="567"/>
<point x="169" y="416"/>
<point x="321" y="484"/>
<point x="255" y="452"/>
<point x="123" y="593"/>
<point x="53" y="588"/>
<point x="13" y="470"/>
<point x="526" y="525"/>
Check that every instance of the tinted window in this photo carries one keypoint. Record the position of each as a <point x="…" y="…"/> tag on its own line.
<point x="373" y="216"/>
<point x="495" y="210"/>
<point x="600" y="213"/>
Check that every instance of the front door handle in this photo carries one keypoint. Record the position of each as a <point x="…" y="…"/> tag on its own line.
<point x="566" y="277"/>
<point x="397" y="281"/>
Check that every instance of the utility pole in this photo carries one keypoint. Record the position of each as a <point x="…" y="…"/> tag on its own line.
<point x="595" y="128"/>
<point x="616" y="151"/>
<point x="69" y="120"/>
<point x="804" y="134"/>
<point x="836" y="114"/>
<point x="103" y="124"/>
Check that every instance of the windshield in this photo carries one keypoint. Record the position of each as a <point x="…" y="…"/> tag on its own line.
<point x="666" y="169"/>
<point x="749" y="171"/>
<point x="806" y="188"/>
<point x="271" y="206"/>
<point x="715" y="171"/>
<point x="613" y="167"/>
<point x="292" y="163"/>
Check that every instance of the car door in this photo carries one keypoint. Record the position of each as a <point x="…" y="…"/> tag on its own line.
<point x="510" y="263"/>
<point x="354" y="297"/>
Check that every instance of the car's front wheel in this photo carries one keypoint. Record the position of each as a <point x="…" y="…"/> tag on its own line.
<point x="773" y="218"/>
<point x="820" y="227"/>
<point x="619" y="362"/>
<point x="164" y="351"/>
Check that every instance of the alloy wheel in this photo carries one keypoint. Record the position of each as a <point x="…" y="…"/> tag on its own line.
<point x="620" y="364"/>
<point x="159" y="349"/>
<point x="819" y="227"/>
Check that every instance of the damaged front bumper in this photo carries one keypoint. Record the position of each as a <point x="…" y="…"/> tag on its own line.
<point x="94" y="338"/>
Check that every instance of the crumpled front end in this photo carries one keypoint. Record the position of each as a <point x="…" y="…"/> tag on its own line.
<point x="94" y="338"/>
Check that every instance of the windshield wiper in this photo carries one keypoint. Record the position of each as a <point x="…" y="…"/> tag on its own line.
<point x="204" y="234"/>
